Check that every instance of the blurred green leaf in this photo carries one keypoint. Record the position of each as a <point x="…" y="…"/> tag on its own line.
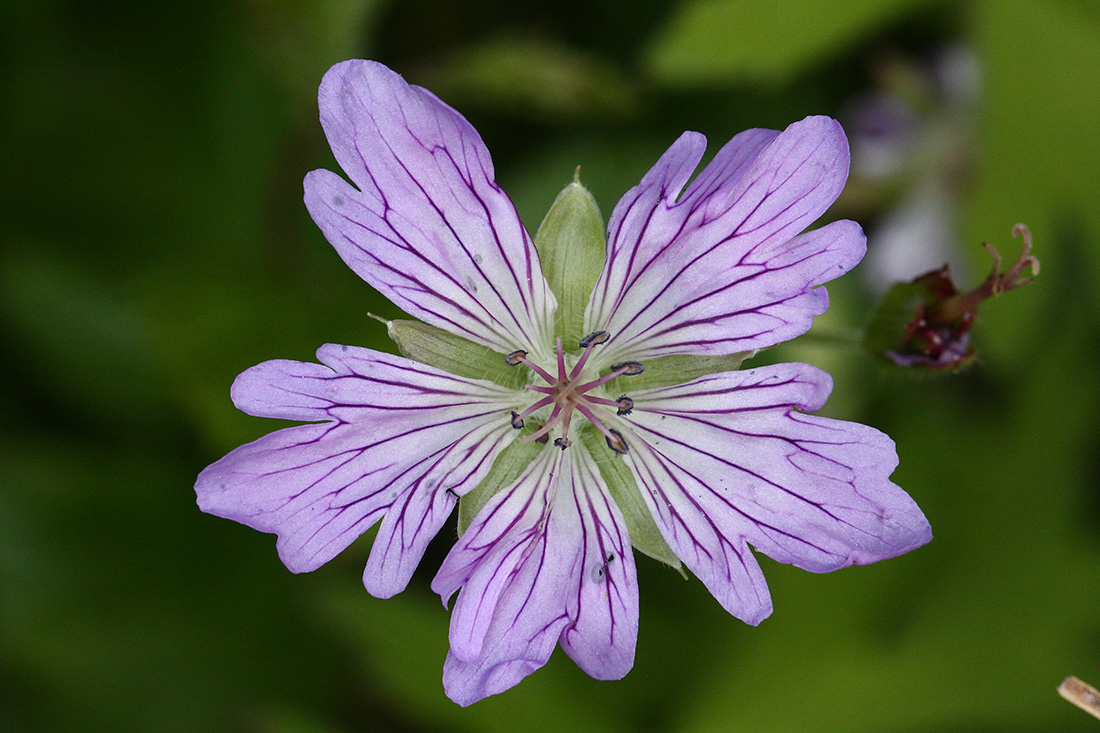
<point x="298" y="40"/>
<point x="1039" y="158"/>
<point x="405" y="644"/>
<point x="534" y="77"/>
<point x="710" y="43"/>
<point x="83" y="347"/>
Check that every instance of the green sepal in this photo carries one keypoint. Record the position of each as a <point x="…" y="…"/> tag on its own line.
<point x="895" y="328"/>
<point x="506" y="470"/>
<point x="666" y="371"/>
<point x="897" y="309"/>
<point x="436" y="347"/>
<point x="644" y="534"/>
<point x="573" y="247"/>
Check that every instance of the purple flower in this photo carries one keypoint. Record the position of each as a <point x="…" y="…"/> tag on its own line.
<point x="591" y="400"/>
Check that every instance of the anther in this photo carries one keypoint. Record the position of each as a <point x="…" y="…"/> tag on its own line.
<point x="563" y="443"/>
<point x="517" y="421"/>
<point x="626" y="405"/>
<point x="615" y="441"/>
<point x="515" y="358"/>
<point x="594" y="339"/>
<point x="542" y="439"/>
<point x="628" y="368"/>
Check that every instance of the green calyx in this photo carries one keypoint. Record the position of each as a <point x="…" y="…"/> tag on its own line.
<point x="506" y="470"/>
<point x="573" y="247"/>
<point x="644" y="534"/>
<point x="436" y="347"/>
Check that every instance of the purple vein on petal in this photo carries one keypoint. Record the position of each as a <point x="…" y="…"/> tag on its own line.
<point x="429" y="227"/>
<point x="395" y="433"/>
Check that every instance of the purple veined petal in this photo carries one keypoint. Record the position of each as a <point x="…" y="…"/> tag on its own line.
<point x="723" y="269"/>
<point x="545" y="561"/>
<point x="397" y="435"/>
<point x="604" y="632"/>
<point x="495" y="548"/>
<point x="418" y="513"/>
<point x="427" y="226"/>
<point x="726" y="461"/>
<point x="508" y="616"/>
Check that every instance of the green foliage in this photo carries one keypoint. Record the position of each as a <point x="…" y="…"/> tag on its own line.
<point x="721" y="42"/>
<point x="155" y="244"/>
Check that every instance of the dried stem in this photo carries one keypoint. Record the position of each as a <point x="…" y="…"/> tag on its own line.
<point x="1082" y="695"/>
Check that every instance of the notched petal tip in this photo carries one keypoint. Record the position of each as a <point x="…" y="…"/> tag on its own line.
<point x="426" y="204"/>
<point x="467" y="683"/>
<point x="282" y="388"/>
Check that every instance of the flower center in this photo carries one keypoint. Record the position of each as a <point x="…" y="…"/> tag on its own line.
<point x="572" y="390"/>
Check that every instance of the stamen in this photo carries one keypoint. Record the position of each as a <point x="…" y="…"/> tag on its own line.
<point x="614" y="437"/>
<point x="537" y="406"/>
<point x="629" y="368"/>
<point x="520" y="357"/>
<point x="594" y="339"/>
<point x="565" y="415"/>
<point x="555" y="418"/>
<point x="616" y="443"/>
<point x="561" y="364"/>
<point x="565" y="395"/>
<point x="625" y="369"/>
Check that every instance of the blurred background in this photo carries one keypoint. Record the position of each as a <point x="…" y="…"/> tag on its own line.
<point x="153" y="244"/>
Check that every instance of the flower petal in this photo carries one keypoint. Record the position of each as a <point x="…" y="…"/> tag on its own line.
<point x="604" y="609"/>
<point x="508" y="616"/>
<point x="400" y="437"/>
<point x="722" y="270"/>
<point x="546" y="560"/>
<point x="428" y="226"/>
<point x="490" y="552"/>
<point x="726" y="461"/>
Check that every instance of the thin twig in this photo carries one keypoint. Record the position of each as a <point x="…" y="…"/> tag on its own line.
<point x="1080" y="694"/>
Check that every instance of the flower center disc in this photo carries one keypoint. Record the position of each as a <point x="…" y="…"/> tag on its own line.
<point x="569" y="391"/>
